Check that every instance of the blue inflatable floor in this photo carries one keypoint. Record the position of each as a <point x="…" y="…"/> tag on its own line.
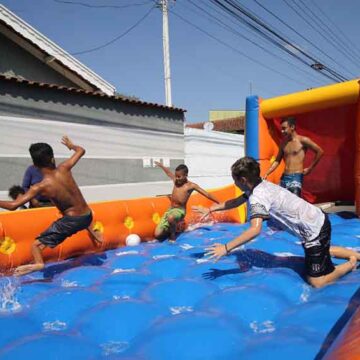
<point x="166" y="301"/>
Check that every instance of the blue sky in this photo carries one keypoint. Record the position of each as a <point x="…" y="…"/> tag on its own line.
<point x="206" y="75"/>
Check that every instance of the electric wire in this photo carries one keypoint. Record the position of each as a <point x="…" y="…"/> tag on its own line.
<point x="235" y="49"/>
<point x="302" y="36"/>
<point x="236" y="10"/>
<point x="118" y="37"/>
<point x="237" y="33"/>
<point x="304" y="18"/>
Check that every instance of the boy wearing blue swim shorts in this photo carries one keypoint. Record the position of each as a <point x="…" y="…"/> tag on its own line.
<point x="179" y="198"/>
<point x="293" y="149"/>
<point x="303" y="219"/>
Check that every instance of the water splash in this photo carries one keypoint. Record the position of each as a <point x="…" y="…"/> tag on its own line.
<point x="56" y="325"/>
<point x="121" y="297"/>
<point x="202" y="260"/>
<point x="186" y="246"/>
<point x="262" y="328"/>
<point x="114" y="347"/>
<point x="129" y="252"/>
<point x="199" y="225"/>
<point x="304" y="297"/>
<point x="176" y="310"/>
<point x="68" y="283"/>
<point x="165" y="256"/>
<point x="284" y="254"/>
<point x="119" y="270"/>
<point x="8" y="299"/>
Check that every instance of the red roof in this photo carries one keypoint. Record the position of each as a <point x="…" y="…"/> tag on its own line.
<point x="98" y="94"/>
<point x="226" y="125"/>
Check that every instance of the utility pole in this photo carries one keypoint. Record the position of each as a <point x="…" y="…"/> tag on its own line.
<point x="166" y="50"/>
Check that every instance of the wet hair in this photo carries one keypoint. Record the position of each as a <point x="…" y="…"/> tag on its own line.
<point x="183" y="168"/>
<point x="42" y="155"/>
<point x="15" y="190"/>
<point x="290" y="120"/>
<point x="246" y="167"/>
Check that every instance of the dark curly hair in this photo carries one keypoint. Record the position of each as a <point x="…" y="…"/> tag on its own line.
<point x="246" y="167"/>
<point x="42" y="155"/>
<point x="15" y="190"/>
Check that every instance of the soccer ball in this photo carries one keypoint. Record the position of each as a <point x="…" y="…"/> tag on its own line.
<point x="133" y="240"/>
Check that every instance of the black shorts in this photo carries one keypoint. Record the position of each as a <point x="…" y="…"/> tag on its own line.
<point x="63" y="228"/>
<point x="317" y="252"/>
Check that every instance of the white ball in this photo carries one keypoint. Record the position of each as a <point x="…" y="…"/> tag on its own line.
<point x="133" y="240"/>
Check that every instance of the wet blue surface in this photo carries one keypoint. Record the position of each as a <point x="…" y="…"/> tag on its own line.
<point x="166" y="301"/>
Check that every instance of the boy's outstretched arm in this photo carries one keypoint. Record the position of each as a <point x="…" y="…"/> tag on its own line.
<point x="79" y="153"/>
<point x="166" y="170"/>
<point x="227" y="205"/>
<point x="216" y="251"/>
<point x="205" y="193"/>
<point x="21" y="199"/>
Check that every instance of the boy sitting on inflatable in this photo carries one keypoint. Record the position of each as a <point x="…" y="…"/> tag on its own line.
<point x="303" y="219"/>
<point x="60" y="187"/>
<point x="179" y="197"/>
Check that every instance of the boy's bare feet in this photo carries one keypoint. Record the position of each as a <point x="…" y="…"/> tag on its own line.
<point x="27" y="269"/>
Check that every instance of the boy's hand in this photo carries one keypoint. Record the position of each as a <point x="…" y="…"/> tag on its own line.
<point x="216" y="251"/>
<point x="306" y="171"/>
<point x="157" y="163"/>
<point x="67" y="142"/>
<point x="205" y="212"/>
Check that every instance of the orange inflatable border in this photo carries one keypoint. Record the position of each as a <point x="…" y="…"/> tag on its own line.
<point x="116" y="219"/>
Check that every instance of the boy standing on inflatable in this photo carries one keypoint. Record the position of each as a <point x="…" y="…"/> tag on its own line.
<point x="303" y="219"/>
<point x="292" y="150"/>
<point x="179" y="197"/>
<point x="60" y="187"/>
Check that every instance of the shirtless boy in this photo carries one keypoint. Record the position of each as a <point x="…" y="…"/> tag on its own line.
<point x="179" y="197"/>
<point x="293" y="149"/>
<point x="60" y="187"/>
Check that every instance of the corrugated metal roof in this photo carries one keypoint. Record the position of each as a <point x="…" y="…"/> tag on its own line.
<point x="85" y="92"/>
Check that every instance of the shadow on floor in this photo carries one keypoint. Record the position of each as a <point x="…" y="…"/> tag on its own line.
<point x="51" y="270"/>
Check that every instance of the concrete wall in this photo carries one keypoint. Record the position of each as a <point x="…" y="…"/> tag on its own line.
<point x="210" y="154"/>
<point x="16" y="61"/>
<point x="113" y="165"/>
<point x="114" y="155"/>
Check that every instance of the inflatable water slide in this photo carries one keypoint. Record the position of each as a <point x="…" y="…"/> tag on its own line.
<point x="330" y="116"/>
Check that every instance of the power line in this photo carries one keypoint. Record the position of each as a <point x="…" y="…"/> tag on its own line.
<point x="274" y="38"/>
<point x="236" y="50"/>
<point x="237" y="33"/>
<point x="117" y="37"/>
<point x="352" y="44"/>
<point x="100" y="6"/>
<point x="256" y="24"/>
<point x="315" y="29"/>
<point x="331" y="33"/>
<point x="299" y="34"/>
